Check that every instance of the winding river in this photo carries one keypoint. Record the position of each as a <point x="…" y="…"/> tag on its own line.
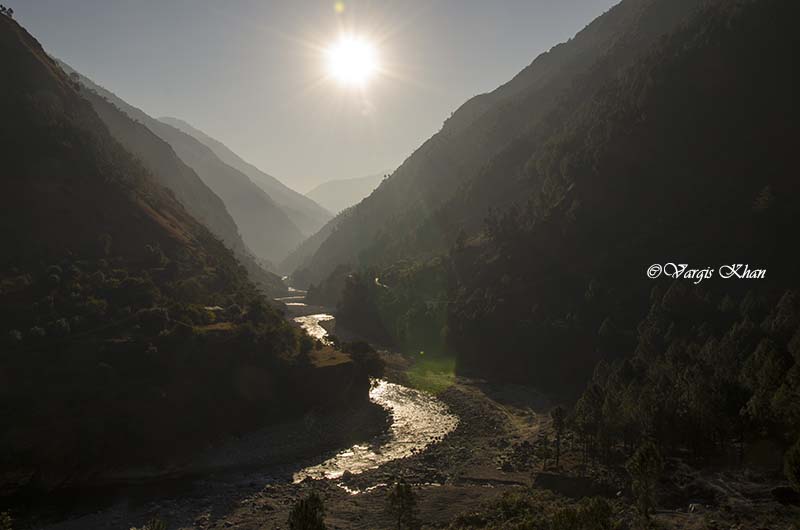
<point x="418" y="418"/>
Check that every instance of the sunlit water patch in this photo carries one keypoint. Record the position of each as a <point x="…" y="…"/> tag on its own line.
<point x="418" y="420"/>
<point x="311" y="323"/>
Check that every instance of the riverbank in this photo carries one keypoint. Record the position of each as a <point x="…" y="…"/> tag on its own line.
<point x="450" y="477"/>
<point x="487" y="457"/>
<point x="215" y="481"/>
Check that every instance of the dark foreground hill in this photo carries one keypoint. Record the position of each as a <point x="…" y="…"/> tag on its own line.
<point x="130" y="335"/>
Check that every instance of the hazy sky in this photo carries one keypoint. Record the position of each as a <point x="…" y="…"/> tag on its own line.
<point x="252" y="72"/>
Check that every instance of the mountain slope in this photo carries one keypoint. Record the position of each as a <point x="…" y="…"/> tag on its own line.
<point x="265" y="228"/>
<point x="401" y="217"/>
<point x="306" y="214"/>
<point x="104" y="262"/>
<point x="109" y="350"/>
<point x="660" y="165"/>
<point x="170" y="171"/>
<point x="338" y="195"/>
<point x="297" y="262"/>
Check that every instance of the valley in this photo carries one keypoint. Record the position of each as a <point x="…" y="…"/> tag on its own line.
<point x="574" y="305"/>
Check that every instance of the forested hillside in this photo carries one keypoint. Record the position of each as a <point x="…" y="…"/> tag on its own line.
<point x="130" y="335"/>
<point x="683" y="157"/>
<point x="405" y="217"/>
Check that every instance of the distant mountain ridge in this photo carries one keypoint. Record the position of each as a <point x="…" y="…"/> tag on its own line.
<point x="264" y="226"/>
<point x="338" y="195"/>
<point x="306" y="214"/>
<point x="169" y="170"/>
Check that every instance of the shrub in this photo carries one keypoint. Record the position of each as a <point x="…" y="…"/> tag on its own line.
<point x="37" y="332"/>
<point x="308" y="514"/>
<point x="153" y="320"/>
<point x="306" y="344"/>
<point x="5" y="521"/>
<point x="591" y="514"/>
<point x="60" y="328"/>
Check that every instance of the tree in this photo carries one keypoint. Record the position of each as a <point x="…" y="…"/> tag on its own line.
<point x="791" y="465"/>
<point x="308" y="514"/>
<point x="403" y="506"/>
<point x="5" y="521"/>
<point x="557" y="414"/>
<point x="645" y="467"/>
<point x="543" y="452"/>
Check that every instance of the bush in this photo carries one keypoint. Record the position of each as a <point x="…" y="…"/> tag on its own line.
<point x="60" y="328"/>
<point x="37" y="332"/>
<point x="591" y="514"/>
<point x="96" y="307"/>
<point x="308" y="514"/>
<point x="306" y="344"/>
<point x="5" y="521"/>
<point x="154" y="320"/>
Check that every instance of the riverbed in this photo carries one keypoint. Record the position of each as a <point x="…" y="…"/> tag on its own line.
<point x="418" y="419"/>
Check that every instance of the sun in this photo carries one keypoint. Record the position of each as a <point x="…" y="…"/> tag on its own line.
<point x="352" y="60"/>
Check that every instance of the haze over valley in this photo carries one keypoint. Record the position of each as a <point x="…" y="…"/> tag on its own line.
<point x="574" y="304"/>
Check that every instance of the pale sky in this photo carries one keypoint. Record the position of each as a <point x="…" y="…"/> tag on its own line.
<point x="252" y="73"/>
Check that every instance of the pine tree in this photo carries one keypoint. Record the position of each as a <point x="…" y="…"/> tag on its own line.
<point x="645" y="468"/>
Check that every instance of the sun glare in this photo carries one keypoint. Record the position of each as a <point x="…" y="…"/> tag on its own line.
<point x="352" y="61"/>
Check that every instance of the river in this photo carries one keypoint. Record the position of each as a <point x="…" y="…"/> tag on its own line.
<point x="418" y="418"/>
